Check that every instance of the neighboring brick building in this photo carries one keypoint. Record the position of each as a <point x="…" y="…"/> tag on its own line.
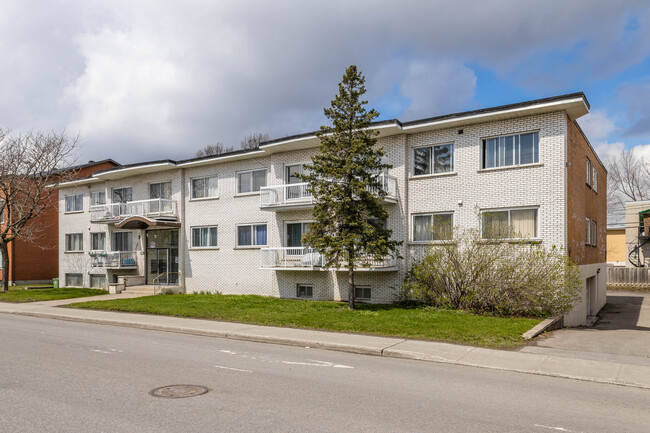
<point x="232" y="223"/>
<point x="38" y="261"/>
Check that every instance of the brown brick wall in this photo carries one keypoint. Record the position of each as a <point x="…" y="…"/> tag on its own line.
<point x="39" y="260"/>
<point x="582" y="201"/>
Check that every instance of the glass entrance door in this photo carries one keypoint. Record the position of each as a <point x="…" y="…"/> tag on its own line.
<point x="157" y="261"/>
<point x="162" y="257"/>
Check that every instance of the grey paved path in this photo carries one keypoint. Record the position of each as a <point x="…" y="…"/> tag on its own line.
<point x="614" y="371"/>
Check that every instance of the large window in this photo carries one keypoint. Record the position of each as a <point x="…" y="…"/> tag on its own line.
<point x="161" y="190"/>
<point x="74" y="203"/>
<point x="122" y="241"/>
<point x="74" y="242"/>
<point x="97" y="198"/>
<point x="204" y="237"/>
<point x="517" y="149"/>
<point x="122" y="195"/>
<point x="251" y="235"/>
<point x="251" y="181"/>
<point x="295" y="232"/>
<point x="204" y="187"/>
<point x="432" y="227"/>
<point x="74" y="280"/>
<point x="433" y="159"/>
<point x="98" y="281"/>
<point x="509" y="223"/>
<point x="98" y="241"/>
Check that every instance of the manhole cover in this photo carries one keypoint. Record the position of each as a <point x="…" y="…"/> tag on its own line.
<point x="179" y="391"/>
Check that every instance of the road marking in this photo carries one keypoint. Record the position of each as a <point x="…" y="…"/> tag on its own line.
<point x="229" y="352"/>
<point x="554" y="428"/>
<point x="230" y="368"/>
<point x="315" y="363"/>
<point x="103" y="350"/>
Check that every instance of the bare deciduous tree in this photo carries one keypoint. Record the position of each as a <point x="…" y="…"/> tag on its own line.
<point x="252" y="141"/>
<point x="213" y="150"/>
<point x="629" y="177"/>
<point x="31" y="166"/>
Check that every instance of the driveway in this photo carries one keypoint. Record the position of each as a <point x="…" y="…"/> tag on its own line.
<point x="621" y="333"/>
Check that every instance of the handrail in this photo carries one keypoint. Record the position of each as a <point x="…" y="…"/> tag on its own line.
<point x="156" y="281"/>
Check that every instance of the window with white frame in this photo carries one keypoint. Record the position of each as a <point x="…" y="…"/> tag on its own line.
<point x="295" y="231"/>
<point x="204" y="237"/>
<point x="122" y="241"/>
<point x="74" y="242"/>
<point x="98" y="241"/>
<point x="595" y="180"/>
<point x="432" y="227"/>
<point x="593" y="233"/>
<point x="517" y="223"/>
<point x="74" y="203"/>
<point x="122" y="195"/>
<point x="251" y="235"/>
<point x="588" y="180"/>
<point x="97" y="198"/>
<point x="362" y="292"/>
<point x="433" y="159"/>
<point x="250" y="181"/>
<point x="305" y="291"/>
<point x="204" y="187"/>
<point x="74" y="280"/>
<point x="588" y="232"/>
<point x="509" y="150"/>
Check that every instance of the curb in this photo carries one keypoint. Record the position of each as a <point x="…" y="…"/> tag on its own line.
<point x="451" y="354"/>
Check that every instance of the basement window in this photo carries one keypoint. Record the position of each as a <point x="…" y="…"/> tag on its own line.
<point x="305" y="291"/>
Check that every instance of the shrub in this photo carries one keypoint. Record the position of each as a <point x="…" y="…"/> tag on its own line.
<point x="498" y="276"/>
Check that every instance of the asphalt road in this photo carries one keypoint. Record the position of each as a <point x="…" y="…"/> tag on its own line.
<point x="71" y="377"/>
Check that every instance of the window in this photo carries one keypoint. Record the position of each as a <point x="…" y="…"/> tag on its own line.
<point x="161" y="190"/>
<point x="122" y="241"/>
<point x="295" y="232"/>
<point x="122" y="195"/>
<point x="203" y="237"/>
<point x="97" y="198"/>
<point x="251" y="235"/>
<point x="74" y="203"/>
<point x="588" y="172"/>
<point x="74" y="242"/>
<point x="593" y="233"/>
<point x="362" y="292"/>
<point x="98" y="241"/>
<point x="595" y="180"/>
<point x="251" y="181"/>
<point x="204" y="187"/>
<point x="509" y="223"/>
<point x="0" y="259"/>
<point x="305" y="291"/>
<point x="98" y="281"/>
<point x="588" y="234"/>
<point x="433" y="159"/>
<point x="74" y="280"/>
<point x="432" y="227"/>
<point x="518" y="149"/>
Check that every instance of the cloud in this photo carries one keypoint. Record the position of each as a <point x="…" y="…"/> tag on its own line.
<point x="637" y="98"/>
<point x="152" y="79"/>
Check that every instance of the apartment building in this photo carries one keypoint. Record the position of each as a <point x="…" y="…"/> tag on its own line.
<point x="37" y="260"/>
<point x="233" y="223"/>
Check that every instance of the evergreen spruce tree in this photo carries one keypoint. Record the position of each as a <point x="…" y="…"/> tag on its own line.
<point x="349" y="228"/>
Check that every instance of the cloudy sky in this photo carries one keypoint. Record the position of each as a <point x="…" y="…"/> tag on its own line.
<point x="150" y="79"/>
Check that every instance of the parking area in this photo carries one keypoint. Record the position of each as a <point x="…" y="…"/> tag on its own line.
<point x="622" y="332"/>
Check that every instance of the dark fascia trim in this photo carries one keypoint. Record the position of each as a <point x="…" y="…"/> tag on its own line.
<point x="137" y="164"/>
<point x="221" y="155"/>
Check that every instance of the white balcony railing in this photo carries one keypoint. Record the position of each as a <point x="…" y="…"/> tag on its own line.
<point x="118" y="211"/>
<point x="113" y="259"/>
<point x="297" y="194"/>
<point x="301" y="257"/>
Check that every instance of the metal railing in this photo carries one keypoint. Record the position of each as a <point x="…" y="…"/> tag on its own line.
<point x="164" y="280"/>
<point x="301" y="257"/>
<point x="298" y="193"/>
<point x="113" y="259"/>
<point x="117" y="211"/>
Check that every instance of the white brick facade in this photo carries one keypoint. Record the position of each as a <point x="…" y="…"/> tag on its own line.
<point x="230" y="269"/>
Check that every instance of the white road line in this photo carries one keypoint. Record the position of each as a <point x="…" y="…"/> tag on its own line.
<point x="553" y="428"/>
<point x="233" y="369"/>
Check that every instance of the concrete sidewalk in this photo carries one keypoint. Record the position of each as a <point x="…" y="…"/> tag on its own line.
<point x="603" y="371"/>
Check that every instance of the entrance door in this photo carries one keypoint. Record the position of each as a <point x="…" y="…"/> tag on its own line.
<point x="157" y="263"/>
<point x="162" y="256"/>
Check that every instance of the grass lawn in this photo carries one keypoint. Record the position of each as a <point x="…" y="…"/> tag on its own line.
<point x="386" y="320"/>
<point x="47" y="293"/>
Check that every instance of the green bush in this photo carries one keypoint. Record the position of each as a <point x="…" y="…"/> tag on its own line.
<point x="499" y="276"/>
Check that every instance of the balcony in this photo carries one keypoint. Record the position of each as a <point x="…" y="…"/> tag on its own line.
<point x="308" y="259"/>
<point x="297" y="196"/>
<point x="116" y="212"/>
<point x="113" y="259"/>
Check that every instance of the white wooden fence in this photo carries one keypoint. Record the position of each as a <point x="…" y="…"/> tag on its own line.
<point x="620" y="276"/>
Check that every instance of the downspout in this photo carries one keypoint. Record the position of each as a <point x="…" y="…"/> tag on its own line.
<point x="181" y="240"/>
<point x="405" y="203"/>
